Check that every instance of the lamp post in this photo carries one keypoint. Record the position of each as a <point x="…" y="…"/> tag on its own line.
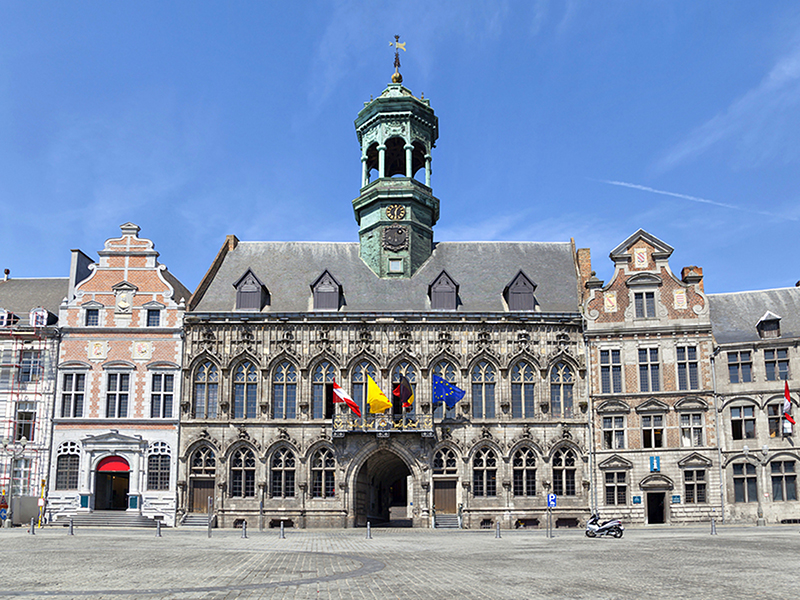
<point x="14" y="453"/>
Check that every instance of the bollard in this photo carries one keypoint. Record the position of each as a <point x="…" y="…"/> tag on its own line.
<point x="283" y="535"/>
<point x="32" y="530"/>
<point x="244" y="530"/>
<point x="713" y="526"/>
<point x="70" y="528"/>
<point x="369" y="531"/>
<point x="158" y="528"/>
<point x="497" y="530"/>
<point x="210" y="515"/>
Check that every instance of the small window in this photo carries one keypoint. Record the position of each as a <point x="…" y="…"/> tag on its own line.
<point x="519" y="293"/>
<point x="616" y="488"/>
<point x="153" y="317"/>
<point x="653" y="431"/>
<point x="327" y="292"/>
<point x="395" y="265"/>
<point x="26" y="419"/>
<point x="444" y="462"/>
<point x="92" y="317"/>
<point x="613" y="432"/>
<point x="30" y="366"/>
<point x="251" y="294"/>
<point x="770" y="328"/>
<point x="443" y="292"/>
<point x="691" y="429"/>
<point x="743" y="423"/>
<point x="776" y="364"/>
<point x="645" y="304"/>
<point x="740" y="367"/>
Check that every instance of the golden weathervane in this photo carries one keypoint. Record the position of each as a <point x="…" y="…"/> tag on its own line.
<point x="396" y="77"/>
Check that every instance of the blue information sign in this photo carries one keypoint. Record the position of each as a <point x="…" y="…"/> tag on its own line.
<point x="3" y="514"/>
<point x="551" y="500"/>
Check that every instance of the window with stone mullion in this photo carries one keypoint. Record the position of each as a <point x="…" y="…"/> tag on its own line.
<point x="616" y="488"/>
<point x="484" y="473"/>
<point x="649" y="380"/>
<point x="158" y="472"/>
<point x="564" y="473"/>
<point x="687" y="368"/>
<point x="784" y="480"/>
<point x="745" y="486"/>
<point x="118" y="385"/>
<point x="776" y="363"/>
<point x="483" y="391"/>
<point x="524" y="470"/>
<point x="243" y="474"/>
<point x="522" y="400"/>
<point x="694" y="483"/>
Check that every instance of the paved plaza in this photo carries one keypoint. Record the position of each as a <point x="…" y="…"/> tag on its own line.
<point x="670" y="563"/>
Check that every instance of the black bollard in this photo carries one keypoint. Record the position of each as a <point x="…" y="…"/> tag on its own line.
<point x="244" y="530"/>
<point x="283" y="535"/>
<point x="70" y="528"/>
<point x="158" y="528"/>
<point x="369" y="531"/>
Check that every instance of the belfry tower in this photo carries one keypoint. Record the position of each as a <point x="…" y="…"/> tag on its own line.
<point x="395" y="211"/>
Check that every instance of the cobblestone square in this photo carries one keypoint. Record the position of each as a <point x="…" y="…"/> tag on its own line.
<point x="400" y="563"/>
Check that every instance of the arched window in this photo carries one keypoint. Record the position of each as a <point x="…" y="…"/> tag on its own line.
<point x="243" y="474"/>
<point x="322" y="391"/>
<point x="483" y="390"/>
<point x="524" y="466"/>
<point x="282" y="474"/>
<point x="206" y="387"/>
<point x="323" y="474"/>
<point x="564" y="472"/>
<point x="444" y="462"/>
<point x="403" y="369"/>
<point x="446" y="371"/>
<point x="284" y="391"/>
<point x="67" y="465"/>
<point x="522" y="402"/>
<point x="561" y="381"/>
<point x="204" y="463"/>
<point x="245" y="391"/>
<point x="158" y="466"/>
<point x="359" y="381"/>
<point x="484" y="473"/>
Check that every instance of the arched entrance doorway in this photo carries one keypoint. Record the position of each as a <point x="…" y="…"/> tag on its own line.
<point x="112" y="483"/>
<point x="382" y="491"/>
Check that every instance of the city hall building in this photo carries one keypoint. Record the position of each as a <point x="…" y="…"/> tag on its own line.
<point x="273" y="325"/>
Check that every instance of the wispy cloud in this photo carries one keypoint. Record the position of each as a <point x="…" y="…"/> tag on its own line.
<point x="644" y="188"/>
<point x="763" y="123"/>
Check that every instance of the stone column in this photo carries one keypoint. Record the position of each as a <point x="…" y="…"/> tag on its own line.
<point x="364" y="172"/>
<point x="408" y="148"/>
<point x="428" y="170"/>
<point x="382" y="161"/>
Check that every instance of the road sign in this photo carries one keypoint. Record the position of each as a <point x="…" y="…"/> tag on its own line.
<point x="3" y="514"/>
<point x="551" y="500"/>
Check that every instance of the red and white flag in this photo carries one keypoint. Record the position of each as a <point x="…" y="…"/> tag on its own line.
<point x="787" y="404"/>
<point x="339" y="395"/>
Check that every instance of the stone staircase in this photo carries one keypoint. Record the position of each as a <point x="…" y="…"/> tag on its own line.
<point x="444" y="521"/>
<point x="196" y="520"/>
<point x="107" y="518"/>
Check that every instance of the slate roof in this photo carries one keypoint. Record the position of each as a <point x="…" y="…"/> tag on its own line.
<point x="734" y="316"/>
<point x="21" y="295"/>
<point x="483" y="269"/>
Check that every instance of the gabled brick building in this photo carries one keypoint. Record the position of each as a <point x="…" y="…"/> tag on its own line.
<point x="116" y="417"/>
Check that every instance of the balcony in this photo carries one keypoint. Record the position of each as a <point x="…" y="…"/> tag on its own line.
<point x="383" y="425"/>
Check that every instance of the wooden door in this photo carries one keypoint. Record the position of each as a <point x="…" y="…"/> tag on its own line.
<point x="202" y="490"/>
<point x="444" y="496"/>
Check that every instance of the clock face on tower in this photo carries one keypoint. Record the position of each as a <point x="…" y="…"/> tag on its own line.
<point x="395" y="238"/>
<point x="396" y="212"/>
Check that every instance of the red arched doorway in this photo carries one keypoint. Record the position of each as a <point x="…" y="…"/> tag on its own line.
<point x="111" y="484"/>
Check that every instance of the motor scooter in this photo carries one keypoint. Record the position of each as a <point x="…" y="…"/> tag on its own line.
<point x="612" y="527"/>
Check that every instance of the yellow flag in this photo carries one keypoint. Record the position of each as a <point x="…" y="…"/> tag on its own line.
<point x="377" y="400"/>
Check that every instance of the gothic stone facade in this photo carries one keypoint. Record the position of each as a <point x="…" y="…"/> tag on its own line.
<point x="116" y="430"/>
<point x="653" y="418"/>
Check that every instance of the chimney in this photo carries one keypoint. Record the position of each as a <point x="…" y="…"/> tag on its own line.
<point x="693" y="275"/>
<point x="6" y="273"/>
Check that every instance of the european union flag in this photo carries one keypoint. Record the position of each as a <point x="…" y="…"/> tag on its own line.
<point x="444" y="391"/>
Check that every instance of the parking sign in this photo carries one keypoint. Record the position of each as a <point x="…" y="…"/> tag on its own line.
<point x="551" y="500"/>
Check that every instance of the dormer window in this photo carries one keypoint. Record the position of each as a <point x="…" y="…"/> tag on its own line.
<point x="7" y="318"/>
<point x="443" y="292"/>
<point x="251" y="294"/>
<point x="153" y="317"/>
<point x="92" y="317"/>
<point x="769" y="326"/>
<point x="519" y="293"/>
<point x="645" y="304"/>
<point x="327" y="292"/>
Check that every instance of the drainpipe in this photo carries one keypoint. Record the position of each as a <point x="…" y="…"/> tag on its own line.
<point x="592" y="450"/>
<point x="716" y="429"/>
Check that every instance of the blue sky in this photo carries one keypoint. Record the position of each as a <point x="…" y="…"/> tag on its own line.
<point x="558" y="119"/>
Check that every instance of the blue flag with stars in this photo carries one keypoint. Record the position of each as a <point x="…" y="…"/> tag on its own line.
<point x="444" y="391"/>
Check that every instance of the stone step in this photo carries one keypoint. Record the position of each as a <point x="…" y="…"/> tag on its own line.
<point x="106" y="518"/>
<point x="195" y="520"/>
<point x="446" y="521"/>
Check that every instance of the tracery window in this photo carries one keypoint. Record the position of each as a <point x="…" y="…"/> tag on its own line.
<point x="522" y="400"/>
<point x="245" y="391"/>
<point x="243" y="474"/>
<point x="67" y="466"/>
<point x="444" y="462"/>
<point x="446" y="371"/>
<point x="204" y="463"/>
<point x="322" y="391"/>
<point x="483" y="380"/>
<point x="524" y="467"/>
<point x="406" y="369"/>
<point x="206" y="387"/>
<point x="484" y="473"/>
<point x="284" y="391"/>
<point x="158" y="466"/>
<point x="282" y="474"/>
<point x="323" y="474"/>
<point x="564" y="472"/>
<point x="562" y="380"/>
<point x="359" y="381"/>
